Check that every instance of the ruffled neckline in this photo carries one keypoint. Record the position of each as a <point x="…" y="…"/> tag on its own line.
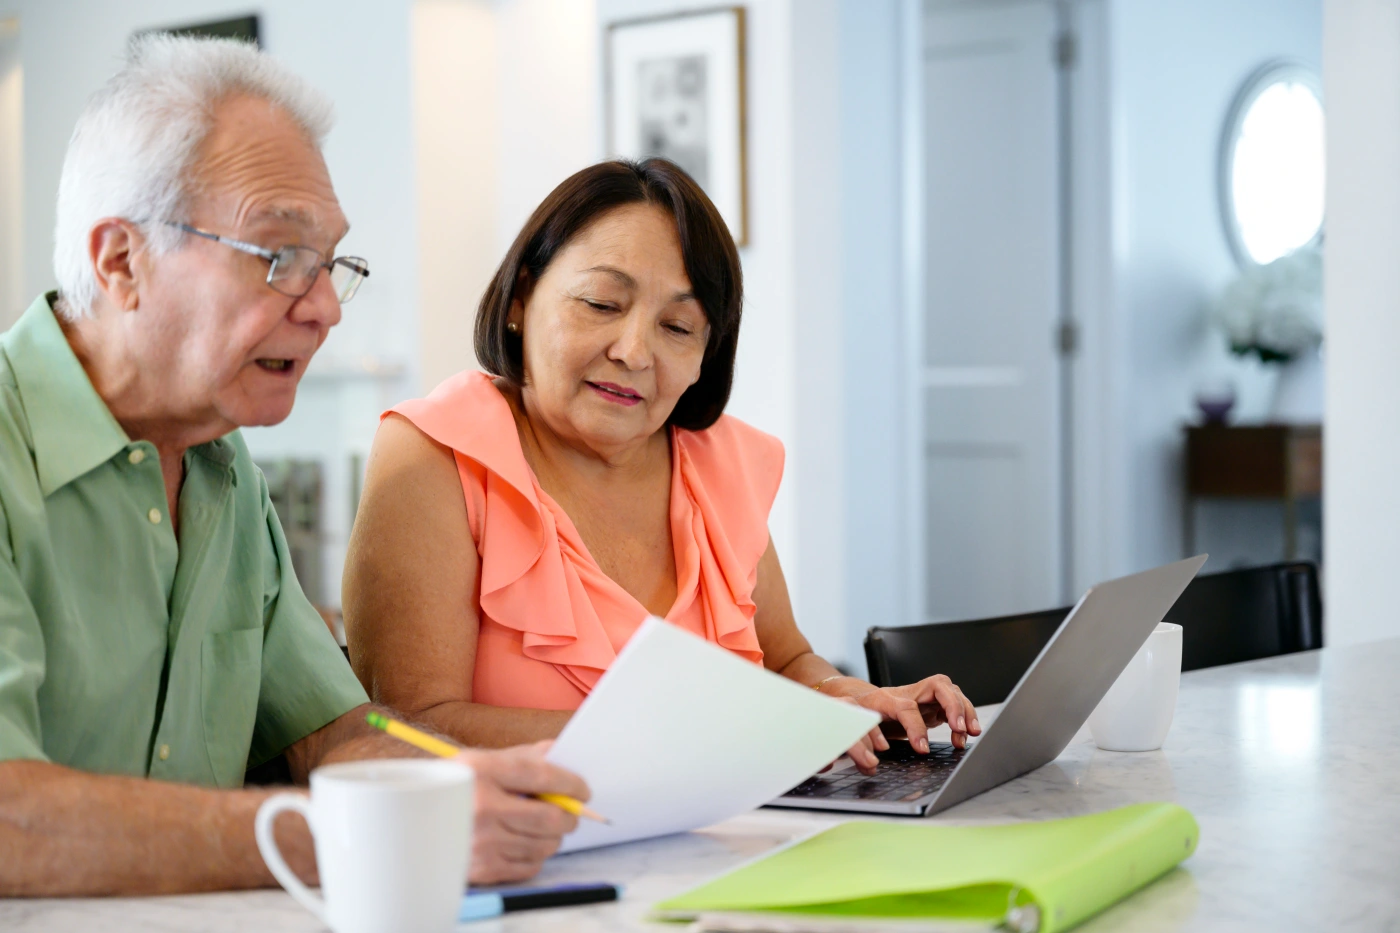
<point x="537" y="575"/>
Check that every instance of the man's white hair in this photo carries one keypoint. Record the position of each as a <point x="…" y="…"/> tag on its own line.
<point x="133" y="151"/>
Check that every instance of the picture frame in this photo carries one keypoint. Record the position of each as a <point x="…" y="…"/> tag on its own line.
<point x="675" y="88"/>
<point x="243" y="28"/>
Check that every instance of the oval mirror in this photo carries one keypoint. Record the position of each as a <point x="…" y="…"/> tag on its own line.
<point x="1272" y="164"/>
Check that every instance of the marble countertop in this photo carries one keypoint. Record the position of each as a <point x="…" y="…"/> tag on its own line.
<point x="1290" y="766"/>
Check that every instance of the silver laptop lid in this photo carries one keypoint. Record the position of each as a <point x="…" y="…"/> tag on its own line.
<point x="1072" y="673"/>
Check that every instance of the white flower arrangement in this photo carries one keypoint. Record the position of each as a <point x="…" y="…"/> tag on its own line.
<point x="1275" y="311"/>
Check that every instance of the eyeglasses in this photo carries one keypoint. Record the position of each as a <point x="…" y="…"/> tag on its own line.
<point x="294" y="269"/>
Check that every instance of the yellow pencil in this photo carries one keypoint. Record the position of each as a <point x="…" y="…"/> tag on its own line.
<point x="436" y="746"/>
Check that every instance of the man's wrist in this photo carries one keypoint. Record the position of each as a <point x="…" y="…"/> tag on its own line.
<point x="298" y="848"/>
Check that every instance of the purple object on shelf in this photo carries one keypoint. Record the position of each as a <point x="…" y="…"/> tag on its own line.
<point x="1215" y="410"/>
<point x="1215" y="398"/>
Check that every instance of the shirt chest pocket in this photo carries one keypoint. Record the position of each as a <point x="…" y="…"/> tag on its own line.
<point x="231" y="679"/>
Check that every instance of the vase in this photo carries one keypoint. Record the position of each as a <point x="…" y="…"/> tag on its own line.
<point x="1298" y="394"/>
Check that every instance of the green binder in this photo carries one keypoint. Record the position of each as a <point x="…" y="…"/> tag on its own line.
<point x="1040" y="877"/>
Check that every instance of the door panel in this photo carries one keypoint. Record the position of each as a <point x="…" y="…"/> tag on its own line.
<point x="991" y="480"/>
<point x="990" y="367"/>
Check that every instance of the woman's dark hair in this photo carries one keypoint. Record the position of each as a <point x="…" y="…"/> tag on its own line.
<point x="711" y="262"/>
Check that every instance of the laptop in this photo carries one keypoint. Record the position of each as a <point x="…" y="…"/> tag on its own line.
<point x="1049" y="704"/>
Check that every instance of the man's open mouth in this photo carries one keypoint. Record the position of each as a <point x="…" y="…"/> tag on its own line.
<point x="276" y="366"/>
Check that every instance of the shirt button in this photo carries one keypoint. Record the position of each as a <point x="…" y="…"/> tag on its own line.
<point x="136" y="457"/>
<point x="164" y="752"/>
<point x="154" y="516"/>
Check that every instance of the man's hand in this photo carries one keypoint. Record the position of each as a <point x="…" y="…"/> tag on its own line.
<point x="514" y="833"/>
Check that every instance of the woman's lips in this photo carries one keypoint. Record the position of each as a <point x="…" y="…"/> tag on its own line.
<point x="615" y="393"/>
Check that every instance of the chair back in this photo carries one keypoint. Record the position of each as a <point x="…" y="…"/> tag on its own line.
<point x="1243" y="615"/>
<point x="1236" y="615"/>
<point x="984" y="657"/>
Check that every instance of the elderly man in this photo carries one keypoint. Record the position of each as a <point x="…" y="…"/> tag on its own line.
<point x="154" y="642"/>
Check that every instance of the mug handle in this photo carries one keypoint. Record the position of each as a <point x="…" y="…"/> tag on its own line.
<point x="267" y="845"/>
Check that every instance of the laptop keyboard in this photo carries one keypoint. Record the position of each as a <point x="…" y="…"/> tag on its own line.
<point x="903" y="775"/>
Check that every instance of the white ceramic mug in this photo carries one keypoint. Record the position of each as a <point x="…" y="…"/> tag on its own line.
<point x="1136" y="713"/>
<point x="393" y="840"/>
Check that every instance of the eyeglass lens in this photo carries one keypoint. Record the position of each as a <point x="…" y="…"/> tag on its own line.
<point x="295" y="268"/>
<point x="346" y="275"/>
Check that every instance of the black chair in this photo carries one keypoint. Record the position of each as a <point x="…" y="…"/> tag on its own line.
<point x="985" y="657"/>
<point x="1242" y="615"/>
<point x="1237" y="615"/>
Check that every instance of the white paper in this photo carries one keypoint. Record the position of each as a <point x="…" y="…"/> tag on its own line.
<point x="680" y="733"/>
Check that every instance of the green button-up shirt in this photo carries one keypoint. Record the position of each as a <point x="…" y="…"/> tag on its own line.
<point x="124" y="650"/>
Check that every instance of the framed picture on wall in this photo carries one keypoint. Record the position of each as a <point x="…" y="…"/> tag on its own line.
<point x="675" y="89"/>
<point x="241" y="27"/>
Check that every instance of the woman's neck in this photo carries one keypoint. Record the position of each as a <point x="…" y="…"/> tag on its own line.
<point x="560" y="458"/>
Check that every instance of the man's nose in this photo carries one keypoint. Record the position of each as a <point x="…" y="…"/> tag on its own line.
<point x="319" y="306"/>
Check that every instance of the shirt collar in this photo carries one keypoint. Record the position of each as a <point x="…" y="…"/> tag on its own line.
<point x="72" y="428"/>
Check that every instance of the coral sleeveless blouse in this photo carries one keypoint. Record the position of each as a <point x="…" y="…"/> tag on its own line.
<point x="551" y="621"/>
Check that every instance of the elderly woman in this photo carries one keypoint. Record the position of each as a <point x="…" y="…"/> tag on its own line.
<point x="516" y="528"/>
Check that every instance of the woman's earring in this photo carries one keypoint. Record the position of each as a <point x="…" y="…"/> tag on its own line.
<point x="513" y="327"/>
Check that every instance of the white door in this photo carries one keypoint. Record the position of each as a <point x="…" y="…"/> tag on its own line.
<point x="991" y="377"/>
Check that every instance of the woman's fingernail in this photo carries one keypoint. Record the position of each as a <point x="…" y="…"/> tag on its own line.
<point x="962" y="724"/>
<point x="923" y="744"/>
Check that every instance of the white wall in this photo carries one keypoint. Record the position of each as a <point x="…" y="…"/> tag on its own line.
<point x="1175" y="69"/>
<point x="12" y="299"/>
<point x="505" y="108"/>
<point x="1362" y="80"/>
<point x="820" y="447"/>
<point x="456" y="118"/>
<point x="550" y="124"/>
<point x="870" y="95"/>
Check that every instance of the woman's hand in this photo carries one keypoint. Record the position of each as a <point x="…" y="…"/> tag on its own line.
<point x="913" y="709"/>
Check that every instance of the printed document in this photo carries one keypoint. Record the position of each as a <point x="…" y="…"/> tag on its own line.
<point x="680" y="733"/>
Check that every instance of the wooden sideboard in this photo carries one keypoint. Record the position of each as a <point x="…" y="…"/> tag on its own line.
<point x="1267" y="461"/>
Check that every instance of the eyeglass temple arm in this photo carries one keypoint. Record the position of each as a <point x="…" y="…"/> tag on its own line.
<point x="360" y="267"/>
<point x="255" y="250"/>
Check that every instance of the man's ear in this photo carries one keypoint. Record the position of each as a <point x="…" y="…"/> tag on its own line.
<point x="113" y="247"/>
